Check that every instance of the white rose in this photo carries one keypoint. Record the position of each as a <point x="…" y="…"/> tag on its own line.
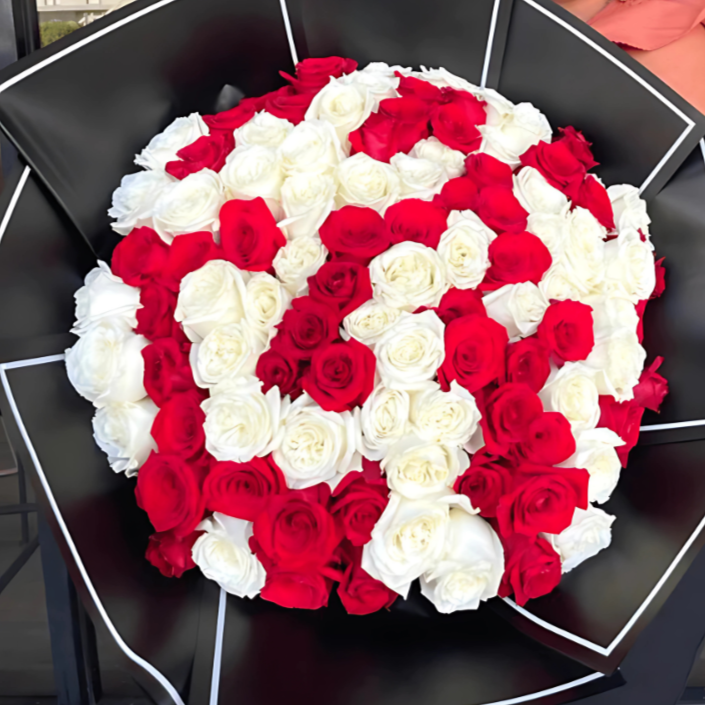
<point x="264" y="130"/>
<point x="561" y="282"/>
<point x="316" y="445"/>
<point x="417" y="469"/>
<point x="383" y="420"/>
<point x="134" y="199"/>
<point x="312" y="146"/>
<point x="618" y="361"/>
<point x="226" y="352"/>
<point x="463" y="248"/>
<point x="105" y="296"/>
<point x="409" y="539"/>
<point x="297" y="261"/>
<point x="106" y="364"/>
<point x="223" y="554"/>
<point x="211" y="296"/>
<point x="595" y="452"/>
<point x="612" y="313"/>
<point x="266" y="300"/>
<point x="408" y="275"/>
<point x="370" y="321"/>
<point x="241" y="422"/>
<point x="551" y="229"/>
<point x="573" y="392"/>
<point x="307" y="200"/>
<point x="380" y="81"/>
<point x="122" y="432"/>
<point x="164" y="146"/>
<point x="411" y="351"/>
<point x="511" y="129"/>
<point x="432" y="149"/>
<point x="629" y="265"/>
<point x="442" y="78"/>
<point x="444" y="417"/>
<point x="585" y="248"/>
<point x="363" y="181"/>
<point x="188" y="206"/>
<point x="254" y="172"/>
<point x="629" y="208"/>
<point x="345" y="103"/>
<point x="589" y="533"/>
<point x="471" y="568"/>
<point x="536" y="195"/>
<point x="518" y="307"/>
<point x="420" y="178"/>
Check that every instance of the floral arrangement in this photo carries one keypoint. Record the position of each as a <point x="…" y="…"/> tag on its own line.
<point x="376" y="326"/>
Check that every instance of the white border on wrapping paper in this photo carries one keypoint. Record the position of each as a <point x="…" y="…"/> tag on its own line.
<point x="218" y="652"/>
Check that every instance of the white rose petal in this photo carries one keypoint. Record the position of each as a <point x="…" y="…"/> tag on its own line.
<point x="122" y="432"/>
<point x="585" y="248"/>
<point x="312" y="146"/>
<point x="370" y="321"/>
<point x="316" y="445"/>
<point x="471" y="568"/>
<point x="618" y="362"/>
<point x="589" y="533"/>
<point x="630" y="266"/>
<point x="629" y="208"/>
<point x="572" y="391"/>
<point x="242" y="422"/>
<point x="612" y="313"/>
<point x="363" y="181"/>
<point x="408" y="275"/>
<point x="380" y="81"/>
<point x="561" y="282"/>
<point x="164" y="146"/>
<point x="254" y="172"/>
<point x="105" y="296"/>
<point x="551" y="229"/>
<point x="536" y="195"/>
<point x="266" y="300"/>
<point x="211" y="296"/>
<point x="411" y="351"/>
<point x="223" y="554"/>
<point x="134" y="199"/>
<point x="383" y="420"/>
<point x="297" y="261"/>
<point x="264" y="130"/>
<point x="188" y="206"/>
<point x="432" y="149"/>
<point x="518" y="307"/>
<point x="441" y="78"/>
<point x="106" y="364"/>
<point x="420" y="178"/>
<point x="307" y="199"/>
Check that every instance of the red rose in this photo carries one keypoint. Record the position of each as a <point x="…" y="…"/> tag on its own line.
<point x="243" y="490"/>
<point x="475" y="349"/>
<point x="207" y="152"/>
<point x="168" y="490"/>
<point x="356" y="231"/>
<point x="543" y="500"/>
<point x="640" y="311"/>
<point x="313" y="74"/>
<point x="359" y="592"/>
<point x="178" y="427"/>
<point x="230" y="120"/>
<point x="484" y="482"/>
<point x="308" y="590"/>
<point x="171" y="554"/>
<point x="295" y="531"/>
<point x="625" y="420"/>
<point x="500" y="210"/>
<point x="156" y="317"/>
<point x="531" y="568"/>
<point x="510" y="411"/>
<point x="460" y="194"/>
<point x="359" y="506"/>
<point x="342" y="285"/>
<point x="423" y="90"/>
<point x="416" y="220"/>
<point x="456" y="303"/>
<point x="396" y="127"/>
<point x="567" y="330"/>
<point x="167" y="370"/>
<point x="306" y="326"/>
<point x="341" y="375"/>
<point x="528" y="363"/>
<point x="660" y="279"/>
<point x="455" y="120"/>
<point x="652" y="387"/>
<point x="140" y="257"/>
<point x="550" y="440"/>
<point x="558" y="165"/>
<point x="187" y="253"/>
<point x="593" y="197"/>
<point x="516" y="258"/>
<point x="249" y="234"/>
<point x="575" y="141"/>
<point x="287" y="104"/>
<point x="484" y="171"/>
<point x="277" y="370"/>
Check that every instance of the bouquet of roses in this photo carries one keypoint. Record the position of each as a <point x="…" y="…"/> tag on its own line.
<point x="374" y="326"/>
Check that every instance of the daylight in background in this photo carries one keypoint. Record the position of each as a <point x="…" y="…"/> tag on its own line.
<point x="58" y="18"/>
